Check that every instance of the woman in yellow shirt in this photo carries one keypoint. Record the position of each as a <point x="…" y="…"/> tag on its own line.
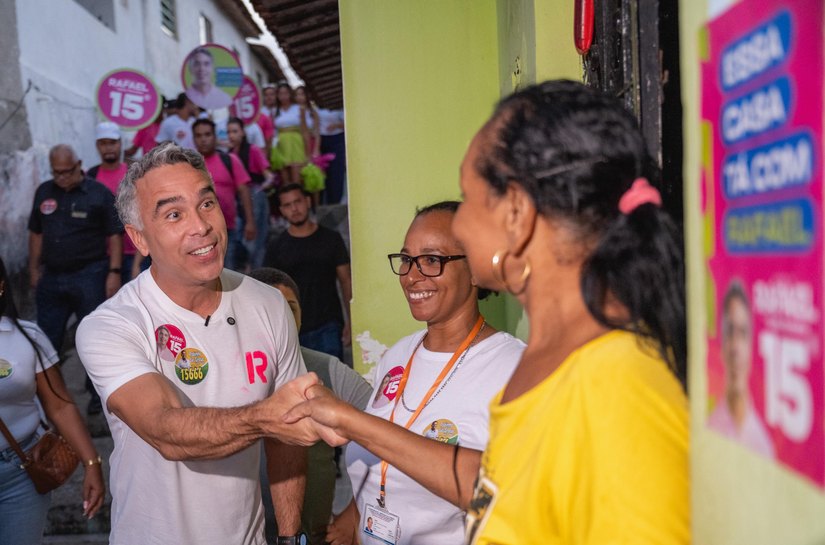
<point x="589" y="439"/>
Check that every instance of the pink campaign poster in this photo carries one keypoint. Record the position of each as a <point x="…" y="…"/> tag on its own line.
<point x="762" y="204"/>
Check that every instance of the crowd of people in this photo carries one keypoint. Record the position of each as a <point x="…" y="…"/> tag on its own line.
<point x="213" y="382"/>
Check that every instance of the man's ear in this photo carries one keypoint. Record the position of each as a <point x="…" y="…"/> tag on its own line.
<point x="520" y="218"/>
<point x="137" y="239"/>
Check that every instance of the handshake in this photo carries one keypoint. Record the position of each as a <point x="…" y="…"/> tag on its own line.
<point x="303" y="412"/>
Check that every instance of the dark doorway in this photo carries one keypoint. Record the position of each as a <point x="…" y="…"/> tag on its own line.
<point x="635" y="56"/>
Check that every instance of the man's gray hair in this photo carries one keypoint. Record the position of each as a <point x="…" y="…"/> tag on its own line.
<point x="164" y="154"/>
<point x="63" y="149"/>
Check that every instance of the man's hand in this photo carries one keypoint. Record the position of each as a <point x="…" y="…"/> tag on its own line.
<point x="324" y="411"/>
<point x="249" y="231"/>
<point x="343" y="530"/>
<point x="297" y="431"/>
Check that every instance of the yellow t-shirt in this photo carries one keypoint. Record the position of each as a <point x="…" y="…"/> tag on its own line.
<point x="597" y="453"/>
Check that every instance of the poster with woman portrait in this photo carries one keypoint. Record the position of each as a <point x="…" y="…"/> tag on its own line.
<point x="762" y="205"/>
<point x="211" y="76"/>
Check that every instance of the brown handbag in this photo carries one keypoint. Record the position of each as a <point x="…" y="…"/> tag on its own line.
<point x="49" y="463"/>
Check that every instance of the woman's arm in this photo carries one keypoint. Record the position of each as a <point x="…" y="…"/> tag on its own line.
<point x="316" y="132"/>
<point x="63" y="413"/>
<point x="447" y="471"/>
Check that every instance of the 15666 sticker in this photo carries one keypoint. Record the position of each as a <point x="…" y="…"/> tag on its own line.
<point x="191" y="366"/>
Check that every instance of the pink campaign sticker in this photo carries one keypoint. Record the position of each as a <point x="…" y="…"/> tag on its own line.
<point x="388" y="388"/>
<point x="247" y="103"/>
<point x="170" y="341"/>
<point x="48" y="207"/>
<point x="129" y="98"/>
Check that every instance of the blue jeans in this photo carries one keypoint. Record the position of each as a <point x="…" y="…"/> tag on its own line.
<point x="61" y="294"/>
<point x="22" y="510"/>
<point x="325" y="338"/>
<point x="252" y="250"/>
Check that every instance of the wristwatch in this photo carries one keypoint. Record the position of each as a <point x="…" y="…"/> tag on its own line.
<point x="298" y="539"/>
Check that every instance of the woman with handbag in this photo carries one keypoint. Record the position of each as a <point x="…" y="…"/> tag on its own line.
<point x="28" y="370"/>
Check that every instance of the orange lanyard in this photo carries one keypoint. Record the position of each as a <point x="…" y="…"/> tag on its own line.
<point x="465" y="344"/>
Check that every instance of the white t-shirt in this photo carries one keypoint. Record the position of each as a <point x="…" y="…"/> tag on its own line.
<point x="459" y="413"/>
<point x="177" y="130"/>
<point x="330" y="117"/>
<point x="248" y="350"/>
<point x="18" y="367"/>
<point x="289" y="117"/>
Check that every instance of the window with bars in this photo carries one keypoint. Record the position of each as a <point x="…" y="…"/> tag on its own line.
<point x="169" y="17"/>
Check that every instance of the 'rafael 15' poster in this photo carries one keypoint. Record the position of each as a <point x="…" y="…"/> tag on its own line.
<point x="762" y="203"/>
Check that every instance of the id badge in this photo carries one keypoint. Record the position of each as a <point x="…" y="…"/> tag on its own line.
<point x="380" y="524"/>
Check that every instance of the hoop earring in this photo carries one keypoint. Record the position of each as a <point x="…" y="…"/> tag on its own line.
<point x="501" y="277"/>
<point x="498" y="266"/>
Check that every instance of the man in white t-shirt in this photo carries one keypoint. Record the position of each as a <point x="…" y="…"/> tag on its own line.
<point x="177" y="127"/>
<point x="186" y="430"/>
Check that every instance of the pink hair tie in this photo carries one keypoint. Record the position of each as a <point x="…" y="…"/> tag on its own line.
<point x="641" y="192"/>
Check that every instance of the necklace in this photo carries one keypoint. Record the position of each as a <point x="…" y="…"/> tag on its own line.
<point x="453" y="372"/>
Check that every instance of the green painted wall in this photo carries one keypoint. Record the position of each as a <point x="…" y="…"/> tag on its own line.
<point x="738" y="498"/>
<point x="419" y="79"/>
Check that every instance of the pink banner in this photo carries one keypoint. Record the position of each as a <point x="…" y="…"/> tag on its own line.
<point x="762" y="204"/>
<point x="129" y="98"/>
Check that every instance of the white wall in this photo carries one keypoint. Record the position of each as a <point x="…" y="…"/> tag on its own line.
<point x="65" y="51"/>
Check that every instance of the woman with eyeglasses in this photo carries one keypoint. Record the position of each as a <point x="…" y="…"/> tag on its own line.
<point x="436" y="383"/>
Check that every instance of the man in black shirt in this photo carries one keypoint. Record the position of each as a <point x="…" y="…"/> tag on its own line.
<point x="72" y="221"/>
<point x="316" y="258"/>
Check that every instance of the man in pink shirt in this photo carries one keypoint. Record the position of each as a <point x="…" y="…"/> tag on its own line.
<point x="231" y="183"/>
<point x="110" y="172"/>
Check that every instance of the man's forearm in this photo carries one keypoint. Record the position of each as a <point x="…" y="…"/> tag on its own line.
<point x="150" y="406"/>
<point x="35" y="249"/>
<point x="286" y="468"/>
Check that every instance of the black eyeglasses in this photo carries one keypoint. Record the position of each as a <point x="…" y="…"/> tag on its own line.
<point x="428" y="264"/>
<point x="67" y="172"/>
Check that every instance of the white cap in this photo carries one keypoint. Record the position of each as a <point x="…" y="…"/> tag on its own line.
<point x="107" y="131"/>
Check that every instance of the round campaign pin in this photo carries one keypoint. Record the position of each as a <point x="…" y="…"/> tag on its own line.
<point x="48" y="207"/>
<point x="442" y="430"/>
<point x="388" y="388"/>
<point x="170" y="341"/>
<point x="5" y="369"/>
<point x="191" y="366"/>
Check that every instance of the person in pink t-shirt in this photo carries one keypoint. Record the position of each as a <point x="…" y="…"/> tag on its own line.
<point x="257" y="165"/>
<point x="145" y="138"/>
<point x="230" y="183"/>
<point x="735" y="416"/>
<point x="110" y="172"/>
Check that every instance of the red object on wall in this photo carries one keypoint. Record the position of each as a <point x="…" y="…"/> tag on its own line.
<point x="583" y="25"/>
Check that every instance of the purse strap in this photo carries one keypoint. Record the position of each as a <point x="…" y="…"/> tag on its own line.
<point x="13" y="443"/>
